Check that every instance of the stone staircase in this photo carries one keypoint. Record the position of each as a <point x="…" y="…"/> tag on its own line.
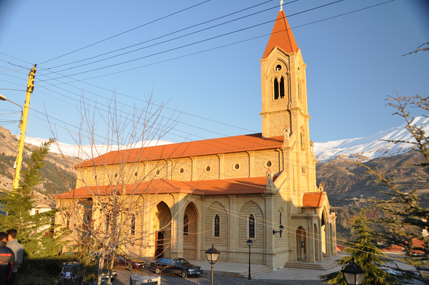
<point x="320" y="265"/>
<point x="256" y="272"/>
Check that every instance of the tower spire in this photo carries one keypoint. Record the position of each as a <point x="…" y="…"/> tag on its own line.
<point x="281" y="5"/>
<point x="281" y="36"/>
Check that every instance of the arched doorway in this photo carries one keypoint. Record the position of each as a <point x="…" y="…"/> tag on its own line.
<point x="301" y="245"/>
<point x="162" y="230"/>
<point x="190" y="223"/>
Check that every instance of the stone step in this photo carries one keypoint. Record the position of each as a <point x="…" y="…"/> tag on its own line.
<point x="320" y="265"/>
<point x="256" y="272"/>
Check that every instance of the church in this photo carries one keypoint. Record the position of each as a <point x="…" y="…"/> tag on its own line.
<point x="192" y="195"/>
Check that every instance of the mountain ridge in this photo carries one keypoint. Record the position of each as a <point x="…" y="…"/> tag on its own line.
<point x="371" y="147"/>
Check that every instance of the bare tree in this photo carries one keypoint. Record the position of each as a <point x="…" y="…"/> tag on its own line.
<point x="101" y="214"/>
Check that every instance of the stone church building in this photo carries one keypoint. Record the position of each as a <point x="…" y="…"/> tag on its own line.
<point x="227" y="190"/>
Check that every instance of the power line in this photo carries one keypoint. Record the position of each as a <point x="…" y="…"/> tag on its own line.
<point x="212" y="49"/>
<point x="138" y="99"/>
<point x="131" y="106"/>
<point x="364" y="8"/>
<point x="218" y="47"/>
<point x="111" y="37"/>
<point x="171" y="33"/>
<point x="194" y="43"/>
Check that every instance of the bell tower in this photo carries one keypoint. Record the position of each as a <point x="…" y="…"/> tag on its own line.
<point x="284" y="92"/>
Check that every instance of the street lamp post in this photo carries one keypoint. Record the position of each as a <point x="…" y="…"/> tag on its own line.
<point x="212" y="256"/>
<point x="353" y="274"/>
<point x="4" y="98"/>
<point x="249" y="244"/>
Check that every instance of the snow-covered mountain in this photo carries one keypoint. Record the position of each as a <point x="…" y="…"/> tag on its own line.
<point x="371" y="147"/>
<point x="88" y="151"/>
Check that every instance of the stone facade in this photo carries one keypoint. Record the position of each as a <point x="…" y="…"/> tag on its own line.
<point x="271" y="197"/>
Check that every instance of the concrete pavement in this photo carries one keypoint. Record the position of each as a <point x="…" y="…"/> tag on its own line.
<point x="241" y="270"/>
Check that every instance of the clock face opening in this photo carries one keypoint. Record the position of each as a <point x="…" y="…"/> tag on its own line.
<point x="278" y="67"/>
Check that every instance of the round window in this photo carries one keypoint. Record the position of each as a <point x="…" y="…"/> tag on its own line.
<point x="136" y="173"/>
<point x="236" y="166"/>
<point x="158" y="172"/>
<point x="95" y="176"/>
<point x="181" y="170"/>
<point x="116" y="175"/>
<point x="207" y="168"/>
<point x="268" y="163"/>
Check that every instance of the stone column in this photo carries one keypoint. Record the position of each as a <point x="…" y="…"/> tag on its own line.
<point x="177" y="210"/>
<point x="311" y="241"/>
<point x="328" y="240"/>
<point x="233" y="228"/>
<point x="201" y="238"/>
<point x="269" y="216"/>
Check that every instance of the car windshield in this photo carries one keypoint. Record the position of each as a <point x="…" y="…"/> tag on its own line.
<point x="182" y="261"/>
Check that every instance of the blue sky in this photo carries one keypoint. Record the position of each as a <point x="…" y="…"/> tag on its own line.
<point x="353" y="62"/>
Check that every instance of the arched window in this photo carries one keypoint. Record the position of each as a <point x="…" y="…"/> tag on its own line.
<point x="133" y="225"/>
<point x="185" y="226"/>
<point x="282" y="88"/>
<point x="251" y="226"/>
<point x="276" y="89"/>
<point x="217" y="226"/>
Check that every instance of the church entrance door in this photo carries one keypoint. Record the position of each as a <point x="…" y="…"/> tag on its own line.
<point x="159" y="251"/>
<point x="301" y="244"/>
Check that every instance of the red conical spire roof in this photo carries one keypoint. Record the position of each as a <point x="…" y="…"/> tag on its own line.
<point x="281" y="36"/>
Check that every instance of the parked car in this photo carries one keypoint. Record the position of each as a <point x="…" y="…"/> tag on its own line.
<point x="123" y="262"/>
<point x="176" y="266"/>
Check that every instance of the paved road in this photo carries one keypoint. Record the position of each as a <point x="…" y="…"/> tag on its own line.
<point x="169" y="279"/>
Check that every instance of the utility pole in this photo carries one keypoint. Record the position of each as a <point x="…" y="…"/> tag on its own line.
<point x="30" y="87"/>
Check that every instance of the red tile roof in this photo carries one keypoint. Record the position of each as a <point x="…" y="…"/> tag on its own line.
<point x="254" y="185"/>
<point x="394" y="249"/>
<point x="281" y="36"/>
<point x="340" y="247"/>
<point x="187" y="149"/>
<point x="399" y="249"/>
<point x="313" y="200"/>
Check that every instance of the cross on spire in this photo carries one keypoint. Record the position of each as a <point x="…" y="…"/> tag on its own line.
<point x="281" y="5"/>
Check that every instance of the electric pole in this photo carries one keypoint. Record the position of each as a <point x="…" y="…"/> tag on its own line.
<point x="30" y="87"/>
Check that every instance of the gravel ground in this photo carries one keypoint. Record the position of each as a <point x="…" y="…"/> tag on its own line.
<point x="170" y="279"/>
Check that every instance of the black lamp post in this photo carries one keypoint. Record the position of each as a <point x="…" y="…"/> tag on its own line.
<point x="353" y="274"/>
<point x="212" y="256"/>
<point x="249" y="244"/>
